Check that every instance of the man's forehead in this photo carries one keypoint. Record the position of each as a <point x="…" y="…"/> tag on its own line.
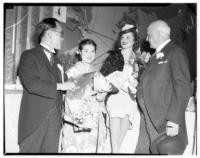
<point x="148" y="30"/>
<point x="151" y="29"/>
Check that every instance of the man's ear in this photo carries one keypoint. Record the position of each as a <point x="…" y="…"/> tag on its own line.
<point x="48" y="34"/>
<point x="159" y="35"/>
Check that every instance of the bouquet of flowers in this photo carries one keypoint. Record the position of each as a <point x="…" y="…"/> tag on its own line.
<point x="84" y="118"/>
<point x="83" y="83"/>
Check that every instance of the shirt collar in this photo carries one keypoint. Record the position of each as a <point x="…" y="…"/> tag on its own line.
<point x="161" y="46"/>
<point x="45" y="46"/>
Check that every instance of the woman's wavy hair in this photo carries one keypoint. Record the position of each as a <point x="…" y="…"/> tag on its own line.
<point x="115" y="60"/>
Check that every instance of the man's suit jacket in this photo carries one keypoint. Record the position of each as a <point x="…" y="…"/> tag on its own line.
<point x="39" y="90"/>
<point x="166" y="88"/>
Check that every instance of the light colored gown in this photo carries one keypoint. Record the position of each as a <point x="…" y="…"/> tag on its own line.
<point x="121" y="104"/>
<point x="84" y="110"/>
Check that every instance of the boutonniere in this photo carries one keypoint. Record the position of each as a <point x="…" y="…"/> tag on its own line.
<point x="159" y="55"/>
<point x="62" y="71"/>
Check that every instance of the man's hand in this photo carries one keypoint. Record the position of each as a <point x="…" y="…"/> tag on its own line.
<point x="172" y="128"/>
<point x="66" y="86"/>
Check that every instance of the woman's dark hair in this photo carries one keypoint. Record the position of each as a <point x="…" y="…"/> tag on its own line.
<point x="87" y="42"/>
<point x="115" y="60"/>
<point x="82" y="44"/>
<point x="42" y="27"/>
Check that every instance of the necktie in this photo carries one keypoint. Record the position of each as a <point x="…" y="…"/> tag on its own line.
<point x="51" y="60"/>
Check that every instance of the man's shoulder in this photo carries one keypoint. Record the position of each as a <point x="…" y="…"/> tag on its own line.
<point x="33" y="51"/>
<point x="177" y="48"/>
<point x="173" y="47"/>
<point x="176" y="51"/>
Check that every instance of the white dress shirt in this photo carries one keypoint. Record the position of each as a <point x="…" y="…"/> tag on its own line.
<point x="161" y="46"/>
<point x="47" y="53"/>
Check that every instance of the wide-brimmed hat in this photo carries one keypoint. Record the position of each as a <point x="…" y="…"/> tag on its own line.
<point x="128" y="28"/>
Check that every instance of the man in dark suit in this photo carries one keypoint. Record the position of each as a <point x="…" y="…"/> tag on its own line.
<point x="163" y="94"/>
<point x="41" y="105"/>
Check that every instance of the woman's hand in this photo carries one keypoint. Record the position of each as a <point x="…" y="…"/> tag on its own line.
<point x="132" y="82"/>
<point x="145" y="56"/>
<point x="101" y="97"/>
<point x="130" y="85"/>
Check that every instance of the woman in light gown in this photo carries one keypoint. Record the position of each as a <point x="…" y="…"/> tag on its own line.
<point x="121" y="69"/>
<point x="84" y="129"/>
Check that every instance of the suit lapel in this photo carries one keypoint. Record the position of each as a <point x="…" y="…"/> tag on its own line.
<point x="150" y="67"/>
<point x="56" y="71"/>
<point x="166" y="49"/>
<point x="52" y="69"/>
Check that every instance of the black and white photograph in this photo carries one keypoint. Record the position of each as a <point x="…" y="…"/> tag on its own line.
<point x="99" y="78"/>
